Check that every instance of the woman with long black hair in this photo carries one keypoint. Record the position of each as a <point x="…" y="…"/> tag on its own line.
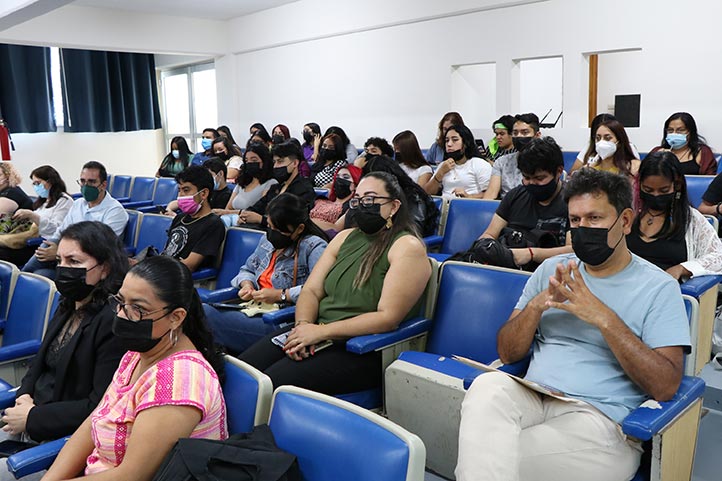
<point x="680" y="136"/>
<point x="177" y="159"/>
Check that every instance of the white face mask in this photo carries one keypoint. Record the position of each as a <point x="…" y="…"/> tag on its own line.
<point x="605" y="148"/>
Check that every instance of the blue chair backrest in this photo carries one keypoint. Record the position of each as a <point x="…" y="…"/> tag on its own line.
<point x="142" y="189"/>
<point x="121" y="186"/>
<point x="321" y="192"/>
<point x="332" y="443"/>
<point x="240" y="244"/>
<point x="473" y="302"/>
<point x="153" y="231"/>
<point x="110" y="182"/>
<point x="29" y="309"/>
<point x="466" y="220"/>
<point x="8" y="274"/>
<point x="569" y="158"/>
<point x="241" y="391"/>
<point x="166" y="190"/>
<point x="696" y="187"/>
<point x="131" y="228"/>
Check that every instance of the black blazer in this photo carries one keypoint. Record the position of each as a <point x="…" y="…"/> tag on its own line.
<point x="84" y="372"/>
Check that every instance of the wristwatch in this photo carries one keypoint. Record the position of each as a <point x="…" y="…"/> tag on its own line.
<point x="283" y="295"/>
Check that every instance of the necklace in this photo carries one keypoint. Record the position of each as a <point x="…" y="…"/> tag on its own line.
<point x="183" y="220"/>
<point x="650" y="221"/>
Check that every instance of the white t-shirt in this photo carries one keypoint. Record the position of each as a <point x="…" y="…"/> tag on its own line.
<point x="235" y="162"/>
<point x="416" y="173"/>
<point x="473" y="176"/>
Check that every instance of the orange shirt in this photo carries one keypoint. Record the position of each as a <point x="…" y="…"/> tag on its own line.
<point x="265" y="279"/>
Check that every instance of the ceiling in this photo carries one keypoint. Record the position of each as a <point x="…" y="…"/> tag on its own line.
<point x="207" y="9"/>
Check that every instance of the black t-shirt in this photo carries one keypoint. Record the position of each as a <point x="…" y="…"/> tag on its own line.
<point x="663" y="253"/>
<point x="203" y="236"/>
<point x="17" y="195"/>
<point x="522" y="212"/>
<point x="713" y="194"/>
<point x="220" y="198"/>
<point x="299" y="186"/>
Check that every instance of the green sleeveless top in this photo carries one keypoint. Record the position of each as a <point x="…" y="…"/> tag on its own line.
<point x="342" y="300"/>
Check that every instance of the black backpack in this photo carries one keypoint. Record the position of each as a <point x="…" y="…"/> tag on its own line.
<point x="242" y="457"/>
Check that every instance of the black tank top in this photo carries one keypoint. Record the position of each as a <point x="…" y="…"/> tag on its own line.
<point x="689" y="168"/>
<point x="663" y="253"/>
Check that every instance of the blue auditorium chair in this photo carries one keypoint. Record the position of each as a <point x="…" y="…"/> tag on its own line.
<point x="247" y="393"/>
<point x="142" y="189"/>
<point x="569" y="159"/>
<point x="30" y="307"/>
<point x="166" y="190"/>
<point x="696" y="187"/>
<point x="466" y="220"/>
<point x="704" y="290"/>
<point x="8" y="276"/>
<point x="240" y="244"/>
<point x="121" y="186"/>
<point x="436" y="239"/>
<point x="321" y="192"/>
<point x="472" y="303"/>
<point x="334" y="440"/>
<point x="130" y="235"/>
<point x="153" y="231"/>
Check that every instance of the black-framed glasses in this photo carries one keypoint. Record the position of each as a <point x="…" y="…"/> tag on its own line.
<point x="367" y="201"/>
<point x="90" y="182"/>
<point x="133" y="312"/>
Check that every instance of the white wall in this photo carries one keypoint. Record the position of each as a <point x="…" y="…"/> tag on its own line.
<point x="398" y="77"/>
<point x="620" y="73"/>
<point x="135" y="153"/>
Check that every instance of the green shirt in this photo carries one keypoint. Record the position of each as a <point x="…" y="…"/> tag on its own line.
<point x="342" y="299"/>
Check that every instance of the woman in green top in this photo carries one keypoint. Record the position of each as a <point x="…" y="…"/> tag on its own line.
<point x="367" y="281"/>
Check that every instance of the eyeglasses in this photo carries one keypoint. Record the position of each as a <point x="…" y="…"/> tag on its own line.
<point x="90" y="182"/>
<point x="132" y="312"/>
<point x="367" y="201"/>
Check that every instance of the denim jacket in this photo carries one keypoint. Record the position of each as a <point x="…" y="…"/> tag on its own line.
<point x="310" y="250"/>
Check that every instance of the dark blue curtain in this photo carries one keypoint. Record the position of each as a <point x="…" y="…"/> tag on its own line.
<point x="109" y="91"/>
<point x="26" y="100"/>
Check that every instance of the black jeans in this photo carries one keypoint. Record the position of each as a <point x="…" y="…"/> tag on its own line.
<point x="330" y="371"/>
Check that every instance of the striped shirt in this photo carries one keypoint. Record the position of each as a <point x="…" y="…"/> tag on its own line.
<point x="181" y="379"/>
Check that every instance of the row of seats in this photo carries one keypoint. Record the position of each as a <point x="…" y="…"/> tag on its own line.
<point x="331" y="439"/>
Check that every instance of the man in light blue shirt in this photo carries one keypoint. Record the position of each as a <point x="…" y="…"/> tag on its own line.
<point x="605" y="327"/>
<point x="95" y="205"/>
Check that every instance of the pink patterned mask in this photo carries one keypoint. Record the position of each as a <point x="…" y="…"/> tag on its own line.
<point x="188" y="205"/>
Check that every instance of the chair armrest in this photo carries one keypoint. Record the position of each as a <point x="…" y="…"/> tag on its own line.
<point x="219" y="295"/>
<point x="150" y="209"/>
<point x="649" y="418"/>
<point x="433" y="240"/>
<point x="435" y="362"/>
<point x="21" y="349"/>
<point x="281" y="316"/>
<point x="205" y="273"/>
<point x="34" y="241"/>
<point x="123" y="200"/>
<point x="7" y="394"/>
<point x="372" y="342"/>
<point x="697" y="286"/>
<point x="137" y="203"/>
<point x="35" y="459"/>
<point x="439" y="256"/>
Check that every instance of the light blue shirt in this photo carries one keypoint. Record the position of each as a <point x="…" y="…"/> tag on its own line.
<point x="109" y="212"/>
<point x="572" y="356"/>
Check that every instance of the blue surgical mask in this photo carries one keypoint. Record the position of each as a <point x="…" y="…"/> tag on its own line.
<point x="206" y="143"/>
<point x="215" y="184"/>
<point x="41" y="191"/>
<point x="175" y="153"/>
<point x="676" y="141"/>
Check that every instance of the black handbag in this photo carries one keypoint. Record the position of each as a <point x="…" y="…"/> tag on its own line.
<point x="242" y="457"/>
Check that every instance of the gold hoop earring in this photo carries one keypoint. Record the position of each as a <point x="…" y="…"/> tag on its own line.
<point x="173" y="335"/>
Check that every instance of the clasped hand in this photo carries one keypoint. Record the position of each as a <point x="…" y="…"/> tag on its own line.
<point x="568" y="291"/>
<point x="16" y="417"/>
<point x="302" y="339"/>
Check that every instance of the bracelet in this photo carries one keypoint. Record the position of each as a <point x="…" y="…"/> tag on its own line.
<point x="531" y="252"/>
<point x="717" y="208"/>
<point x="437" y="180"/>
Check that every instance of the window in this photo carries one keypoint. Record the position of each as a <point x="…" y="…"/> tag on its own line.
<point x="189" y="103"/>
<point x="613" y="74"/>
<point x="541" y="88"/>
<point x="55" y="76"/>
<point x="473" y="93"/>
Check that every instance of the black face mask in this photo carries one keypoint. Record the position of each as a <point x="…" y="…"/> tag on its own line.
<point x="70" y="282"/>
<point x="521" y="143"/>
<point x="223" y="156"/>
<point x="278" y="139"/>
<point x="326" y="154"/>
<point x="456" y="155"/>
<point x="253" y="169"/>
<point x="590" y="244"/>
<point x="136" y="335"/>
<point x="369" y="219"/>
<point x="281" y="174"/>
<point x="661" y="203"/>
<point x="279" y="240"/>
<point x="542" y="192"/>
<point x="342" y="188"/>
<point x="308" y="136"/>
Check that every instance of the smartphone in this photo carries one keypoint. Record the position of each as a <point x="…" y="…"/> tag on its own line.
<point x="10" y="447"/>
<point x="280" y="341"/>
